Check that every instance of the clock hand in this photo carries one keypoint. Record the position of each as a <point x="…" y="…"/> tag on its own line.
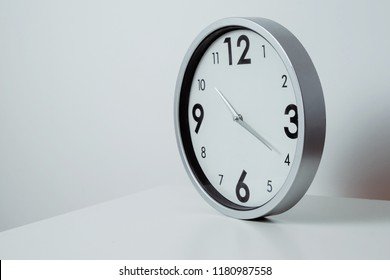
<point x="251" y="130"/>
<point x="236" y="115"/>
<point x="240" y="120"/>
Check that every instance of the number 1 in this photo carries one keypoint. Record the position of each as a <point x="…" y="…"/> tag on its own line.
<point x="228" y="40"/>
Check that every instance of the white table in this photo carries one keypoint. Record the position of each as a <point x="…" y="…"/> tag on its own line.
<point x="173" y="222"/>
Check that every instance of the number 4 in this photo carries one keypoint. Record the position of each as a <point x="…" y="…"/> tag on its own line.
<point x="287" y="160"/>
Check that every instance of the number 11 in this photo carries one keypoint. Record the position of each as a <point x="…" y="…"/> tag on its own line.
<point x="215" y="57"/>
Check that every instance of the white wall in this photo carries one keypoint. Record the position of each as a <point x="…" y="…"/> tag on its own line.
<point x="86" y="96"/>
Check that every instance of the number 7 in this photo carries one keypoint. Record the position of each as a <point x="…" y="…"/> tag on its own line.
<point x="220" y="181"/>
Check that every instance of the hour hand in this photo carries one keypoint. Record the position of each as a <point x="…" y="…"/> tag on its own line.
<point x="236" y="115"/>
<point x="240" y="120"/>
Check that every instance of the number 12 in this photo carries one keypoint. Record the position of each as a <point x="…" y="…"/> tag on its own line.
<point x="243" y="59"/>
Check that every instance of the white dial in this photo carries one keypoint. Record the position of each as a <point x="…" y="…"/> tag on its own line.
<point x="249" y="117"/>
<point x="239" y="95"/>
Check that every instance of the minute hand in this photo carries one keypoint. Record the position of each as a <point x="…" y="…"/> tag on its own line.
<point x="240" y="120"/>
<point x="250" y="129"/>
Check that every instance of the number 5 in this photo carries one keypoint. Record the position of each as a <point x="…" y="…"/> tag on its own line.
<point x="269" y="189"/>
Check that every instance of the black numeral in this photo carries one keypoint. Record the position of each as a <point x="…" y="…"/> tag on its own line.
<point x="228" y="40"/>
<point x="203" y="152"/>
<point x="197" y="114"/>
<point x="201" y="84"/>
<point x="287" y="160"/>
<point x="263" y="46"/>
<point x="242" y="187"/>
<point x="284" y="78"/>
<point x="269" y="186"/>
<point x="221" y="178"/>
<point x="293" y="120"/>
<point x="215" y="57"/>
<point x="243" y="59"/>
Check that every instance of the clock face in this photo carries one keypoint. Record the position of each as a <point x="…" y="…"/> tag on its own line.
<point x="240" y="118"/>
<point x="249" y="117"/>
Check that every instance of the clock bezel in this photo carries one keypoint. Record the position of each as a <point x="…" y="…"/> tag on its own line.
<point x="311" y="112"/>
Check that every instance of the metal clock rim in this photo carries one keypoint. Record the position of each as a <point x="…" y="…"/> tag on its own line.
<point x="311" y="108"/>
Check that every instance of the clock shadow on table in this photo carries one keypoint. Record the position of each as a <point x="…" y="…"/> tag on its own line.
<point x="332" y="210"/>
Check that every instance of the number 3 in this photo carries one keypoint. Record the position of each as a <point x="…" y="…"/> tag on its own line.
<point x="293" y="119"/>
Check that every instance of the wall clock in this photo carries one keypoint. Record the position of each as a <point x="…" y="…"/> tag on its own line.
<point x="249" y="117"/>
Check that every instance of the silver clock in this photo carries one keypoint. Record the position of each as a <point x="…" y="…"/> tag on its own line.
<point x="249" y="117"/>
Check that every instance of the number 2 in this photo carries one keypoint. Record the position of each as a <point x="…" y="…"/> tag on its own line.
<point x="243" y="59"/>
<point x="284" y="78"/>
